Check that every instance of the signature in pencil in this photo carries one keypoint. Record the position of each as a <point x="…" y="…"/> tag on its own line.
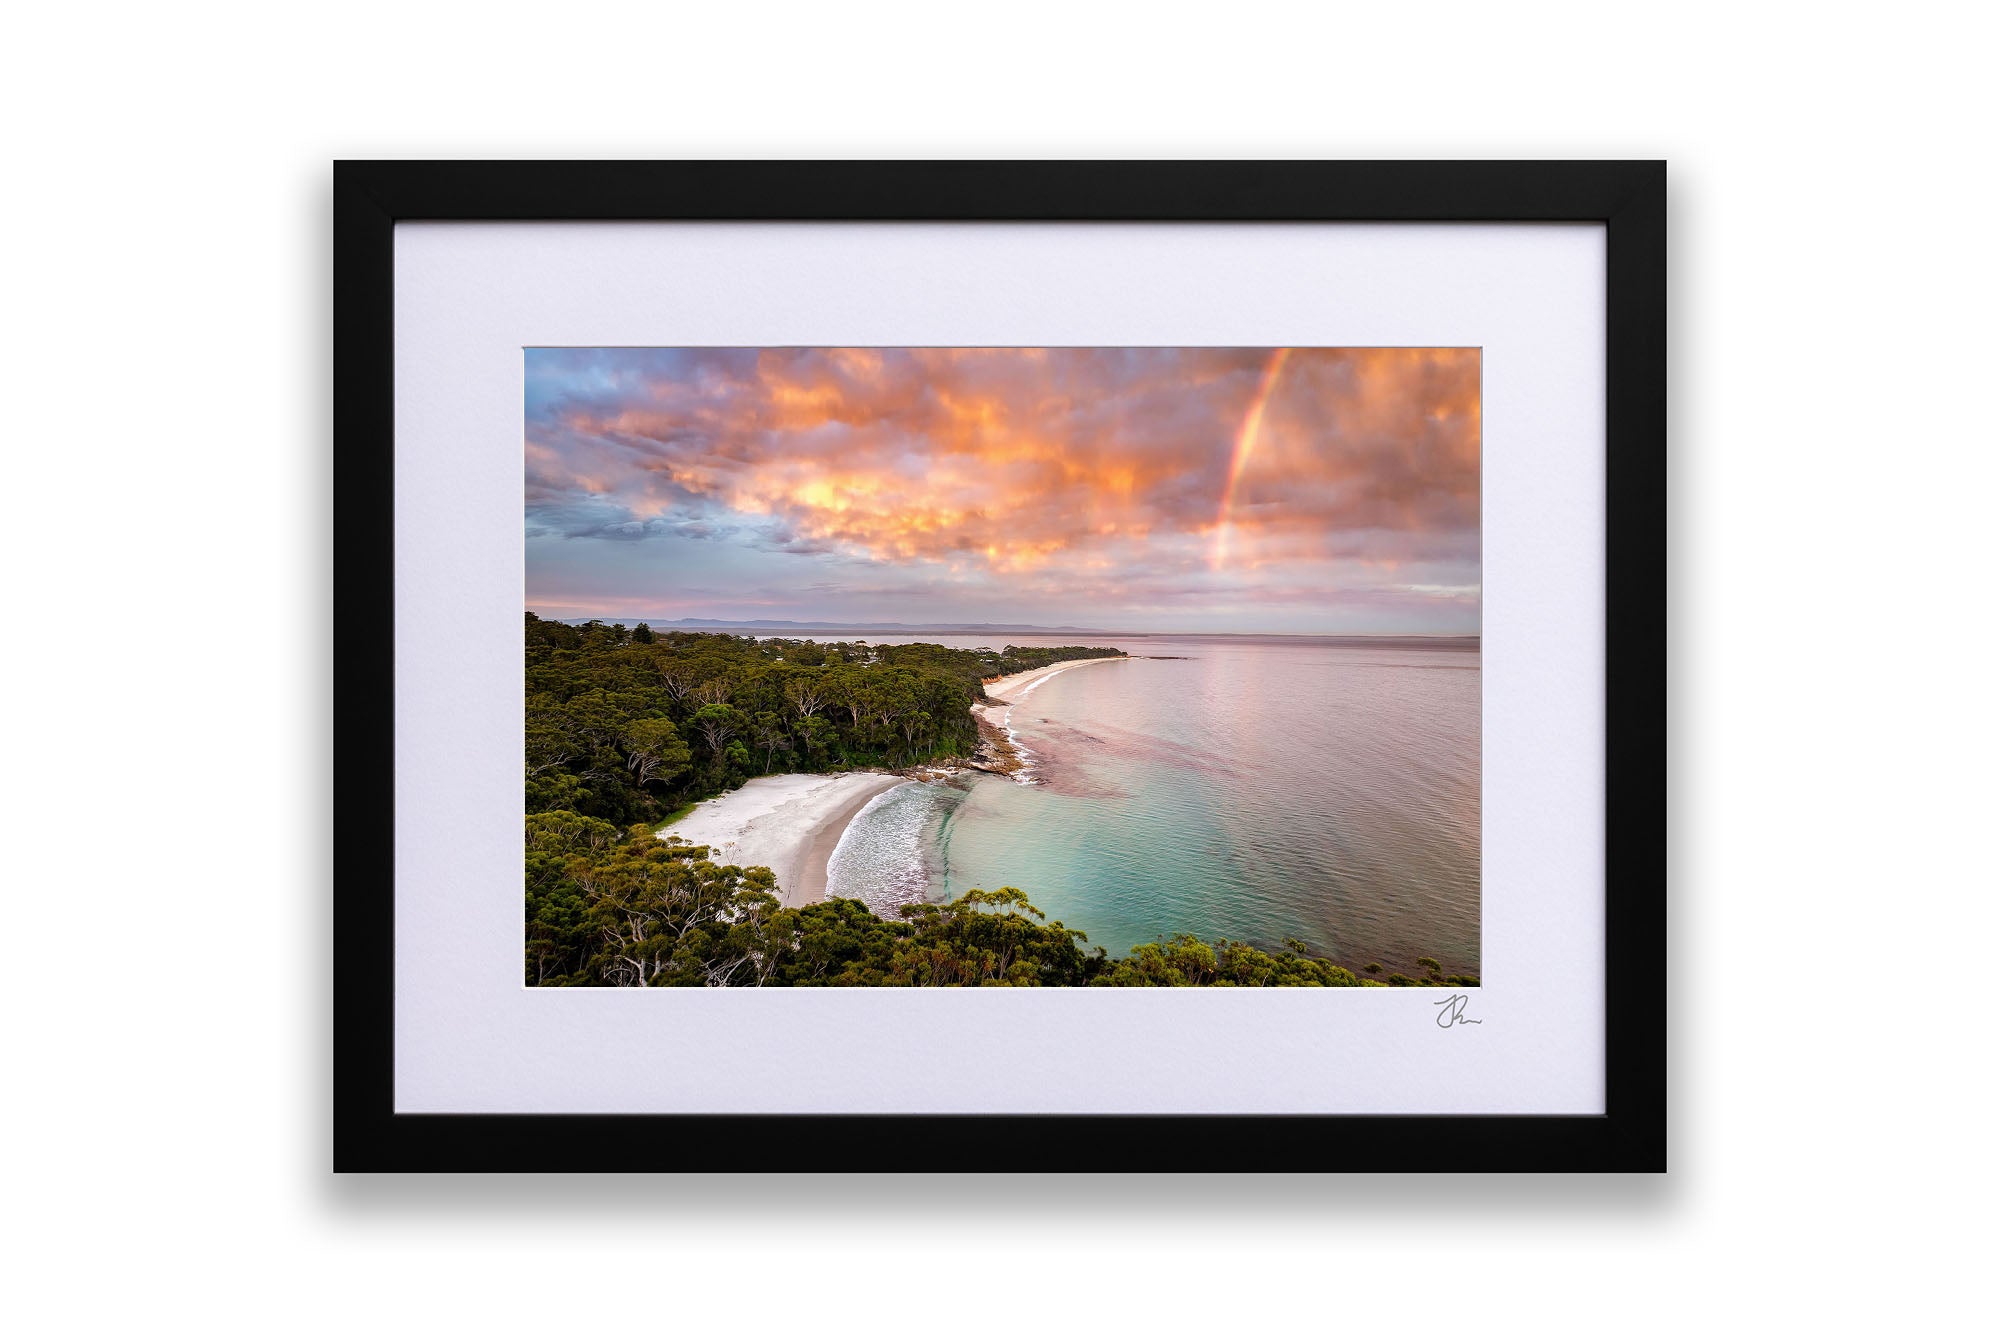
<point x="1451" y="1011"/>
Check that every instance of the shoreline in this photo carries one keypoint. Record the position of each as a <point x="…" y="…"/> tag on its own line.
<point x="789" y="822"/>
<point x="1008" y="757"/>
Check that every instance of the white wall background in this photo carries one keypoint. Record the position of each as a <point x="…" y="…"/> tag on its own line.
<point x="167" y="553"/>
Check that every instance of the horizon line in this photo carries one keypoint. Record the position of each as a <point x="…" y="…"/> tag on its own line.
<point x="945" y="627"/>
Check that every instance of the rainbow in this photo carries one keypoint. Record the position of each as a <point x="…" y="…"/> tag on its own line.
<point x="1246" y="441"/>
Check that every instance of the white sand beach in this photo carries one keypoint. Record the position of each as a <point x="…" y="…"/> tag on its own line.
<point x="790" y="822"/>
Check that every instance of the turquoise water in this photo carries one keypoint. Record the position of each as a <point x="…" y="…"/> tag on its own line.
<point x="1229" y="787"/>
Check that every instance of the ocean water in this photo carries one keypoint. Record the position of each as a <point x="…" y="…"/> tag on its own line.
<point x="1247" y="788"/>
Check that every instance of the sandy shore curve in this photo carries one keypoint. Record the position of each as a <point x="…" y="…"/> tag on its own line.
<point x="790" y="822"/>
<point x="1008" y="757"/>
<point x="1009" y="688"/>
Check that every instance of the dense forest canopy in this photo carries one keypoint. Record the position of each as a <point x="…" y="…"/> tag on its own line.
<point x="627" y="726"/>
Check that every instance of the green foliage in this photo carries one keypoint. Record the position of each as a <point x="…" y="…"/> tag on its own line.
<point x="631" y="909"/>
<point x="623" y="725"/>
<point x="1184" y="960"/>
<point x="655" y="751"/>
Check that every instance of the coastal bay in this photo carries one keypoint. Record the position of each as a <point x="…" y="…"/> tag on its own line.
<point x="793" y="822"/>
<point x="1257" y="788"/>
<point x="1221" y="809"/>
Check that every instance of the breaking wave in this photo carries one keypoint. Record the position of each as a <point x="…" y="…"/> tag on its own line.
<point x="889" y="854"/>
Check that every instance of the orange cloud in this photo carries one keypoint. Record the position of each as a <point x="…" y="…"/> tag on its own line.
<point x="1008" y="459"/>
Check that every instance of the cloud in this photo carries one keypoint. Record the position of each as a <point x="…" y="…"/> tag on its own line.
<point x="1009" y="468"/>
<point x="1008" y="457"/>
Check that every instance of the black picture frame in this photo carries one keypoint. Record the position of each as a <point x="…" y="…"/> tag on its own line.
<point x="1628" y="198"/>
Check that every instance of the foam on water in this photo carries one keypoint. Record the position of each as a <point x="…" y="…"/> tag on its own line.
<point x="889" y="855"/>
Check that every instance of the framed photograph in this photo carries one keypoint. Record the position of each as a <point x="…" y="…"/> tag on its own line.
<point x="1165" y="657"/>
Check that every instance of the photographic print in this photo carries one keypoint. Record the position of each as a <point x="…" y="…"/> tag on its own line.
<point x="1002" y="666"/>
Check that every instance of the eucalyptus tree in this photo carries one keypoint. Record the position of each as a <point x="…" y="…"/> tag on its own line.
<point x="807" y="692"/>
<point x="718" y="724"/>
<point x="655" y="752"/>
<point x="771" y="734"/>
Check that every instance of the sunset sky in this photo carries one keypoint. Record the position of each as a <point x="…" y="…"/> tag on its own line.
<point x="1252" y="490"/>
